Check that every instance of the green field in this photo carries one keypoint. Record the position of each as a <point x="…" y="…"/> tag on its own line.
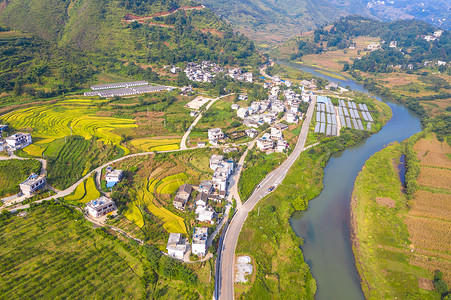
<point x="13" y="172"/>
<point x="257" y="166"/>
<point x="69" y="159"/>
<point x="381" y="240"/>
<point x="52" y="253"/>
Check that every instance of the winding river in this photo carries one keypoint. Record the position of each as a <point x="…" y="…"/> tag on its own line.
<point x="325" y="227"/>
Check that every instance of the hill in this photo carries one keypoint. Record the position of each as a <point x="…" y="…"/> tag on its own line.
<point x="275" y="21"/>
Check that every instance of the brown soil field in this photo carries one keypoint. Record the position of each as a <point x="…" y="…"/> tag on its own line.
<point x="431" y="205"/>
<point x="429" y="234"/>
<point x="426" y="284"/>
<point x="432" y="152"/>
<point x="434" y="177"/>
<point x="392" y="80"/>
<point x="385" y="201"/>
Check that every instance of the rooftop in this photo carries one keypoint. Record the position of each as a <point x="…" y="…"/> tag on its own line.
<point x="99" y="202"/>
<point x="32" y="179"/>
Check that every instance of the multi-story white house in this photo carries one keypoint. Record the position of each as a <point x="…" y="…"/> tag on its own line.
<point x="215" y="134"/>
<point x="33" y="184"/>
<point x="176" y="246"/>
<point x="265" y="143"/>
<point x="112" y="177"/>
<point x="19" y="140"/>
<point x="242" y="112"/>
<point x="215" y="161"/>
<point x="100" y="206"/>
<point x="199" y="244"/>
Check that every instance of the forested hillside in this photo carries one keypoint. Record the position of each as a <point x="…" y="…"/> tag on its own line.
<point x="50" y="47"/>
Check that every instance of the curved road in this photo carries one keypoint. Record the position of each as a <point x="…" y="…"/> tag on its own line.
<point x="186" y="135"/>
<point x="226" y="273"/>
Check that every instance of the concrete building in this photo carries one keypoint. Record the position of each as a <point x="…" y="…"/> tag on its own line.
<point x="19" y="140"/>
<point x="265" y="143"/>
<point x="112" y="177"/>
<point x="199" y="244"/>
<point x="205" y="214"/>
<point x="101" y="206"/>
<point x="182" y="196"/>
<point x="206" y="186"/>
<point x="252" y="133"/>
<point x="176" y="246"/>
<point x="215" y="134"/>
<point x="242" y="112"/>
<point x="201" y="199"/>
<point x="292" y="118"/>
<point x="32" y="184"/>
<point x="215" y="161"/>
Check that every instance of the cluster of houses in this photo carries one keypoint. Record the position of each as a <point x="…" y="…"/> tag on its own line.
<point x="238" y="74"/>
<point x="208" y="190"/>
<point x="16" y="141"/>
<point x="203" y="72"/>
<point x="178" y="246"/>
<point x="207" y="70"/>
<point x="272" y="141"/>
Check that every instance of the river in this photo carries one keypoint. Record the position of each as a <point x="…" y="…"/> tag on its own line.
<point x="325" y="227"/>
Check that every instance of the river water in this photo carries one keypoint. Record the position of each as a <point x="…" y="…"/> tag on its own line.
<point x="325" y="227"/>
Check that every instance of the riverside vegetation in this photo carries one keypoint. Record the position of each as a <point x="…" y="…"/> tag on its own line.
<point x="397" y="241"/>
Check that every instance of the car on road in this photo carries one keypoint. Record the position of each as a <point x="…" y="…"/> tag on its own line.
<point x="271" y="188"/>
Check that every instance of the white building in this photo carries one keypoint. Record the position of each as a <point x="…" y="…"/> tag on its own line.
<point x="19" y="140"/>
<point x="252" y="133"/>
<point x="215" y="134"/>
<point x="282" y="145"/>
<point x="235" y="106"/>
<point x="276" y="133"/>
<point x="215" y="161"/>
<point x="206" y="186"/>
<point x="199" y="244"/>
<point x="205" y="213"/>
<point x="265" y="143"/>
<point x="32" y="184"/>
<point x="112" y="177"/>
<point x="292" y="118"/>
<point x="242" y="112"/>
<point x="176" y="246"/>
<point x="101" y="206"/>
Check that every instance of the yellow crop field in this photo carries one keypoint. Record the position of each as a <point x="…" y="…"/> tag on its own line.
<point x="91" y="191"/>
<point x="78" y="194"/>
<point x="170" y="187"/>
<point x="180" y="176"/>
<point x="34" y="150"/>
<point x="50" y="122"/>
<point x="148" y="144"/>
<point x="134" y="214"/>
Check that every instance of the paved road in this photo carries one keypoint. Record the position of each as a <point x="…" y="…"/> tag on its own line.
<point x="186" y="135"/>
<point x="226" y="275"/>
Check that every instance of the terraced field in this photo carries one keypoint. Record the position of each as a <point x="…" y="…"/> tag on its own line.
<point x="145" y="197"/>
<point x="147" y="144"/>
<point x="69" y="117"/>
<point x="85" y="192"/>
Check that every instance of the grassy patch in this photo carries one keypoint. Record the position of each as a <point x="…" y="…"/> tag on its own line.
<point x="13" y="172"/>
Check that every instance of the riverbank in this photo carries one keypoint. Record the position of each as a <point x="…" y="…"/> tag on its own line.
<point x="380" y="236"/>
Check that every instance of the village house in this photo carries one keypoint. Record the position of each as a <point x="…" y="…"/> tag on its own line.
<point x="205" y="214"/>
<point x="276" y="133"/>
<point x="3" y="128"/>
<point x="112" y="177"/>
<point x="176" y="246"/>
<point x="205" y="186"/>
<point x="19" y="140"/>
<point x="32" y="184"/>
<point x="215" y="161"/>
<point x="242" y="112"/>
<point x="242" y="97"/>
<point x="373" y="46"/>
<point x="199" y="244"/>
<point x="282" y="145"/>
<point x="265" y="143"/>
<point x="292" y="118"/>
<point x="175" y="69"/>
<point x="252" y="133"/>
<point x="100" y="206"/>
<point x="214" y="135"/>
<point x="182" y="196"/>
<point x="201" y="144"/>
<point x="201" y="199"/>
<point x="235" y="106"/>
